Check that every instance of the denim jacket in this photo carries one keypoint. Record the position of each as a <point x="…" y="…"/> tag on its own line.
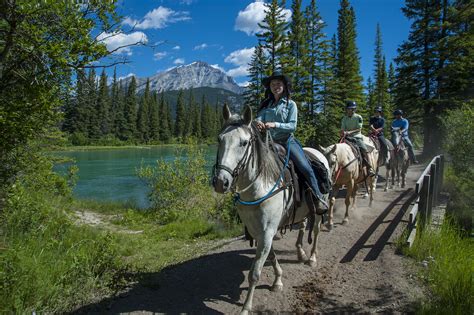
<point x="285" y="116"/>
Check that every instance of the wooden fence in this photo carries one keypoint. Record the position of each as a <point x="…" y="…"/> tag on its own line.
<point x="428" y="187"/>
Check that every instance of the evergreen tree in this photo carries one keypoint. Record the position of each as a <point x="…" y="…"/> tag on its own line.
<point x="380" y="74"/>
<point x="93" y="122"/>
<point x="180" y="124"/>
<point x="154" y="118"/>
<point x="254" y="94"/>
<point x="114" y="96"/>
<point x="103" y="106"/>
<point x="207" y="121"/>
<point x="119" y="108"/>
<point x="272" y="37"/>
<point x="190" y="111"/>
<point x="197" y="126"/>
<point x="129" y="131"/>
<point x="348" y="64"/>
<point x="165" y="127"/>
<point x="371" y="95"/>
<point x="316" y="62"/>
<point x="296" y="62"/>
<point x="419" y="58"/>
<point x="390" y="107"/>
<point x="143" y="121"/>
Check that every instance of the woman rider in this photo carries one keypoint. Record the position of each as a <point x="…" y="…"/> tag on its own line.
<point x="278" y="114"/>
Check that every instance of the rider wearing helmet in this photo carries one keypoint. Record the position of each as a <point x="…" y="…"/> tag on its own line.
<point x="377" y="125"/>
<point x="403" y="124"/>
<point x="278" y="114"/>
<point x="351" y="126"/>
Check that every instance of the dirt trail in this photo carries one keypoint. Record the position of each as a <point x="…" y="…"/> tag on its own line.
<point x="358" y="270"/>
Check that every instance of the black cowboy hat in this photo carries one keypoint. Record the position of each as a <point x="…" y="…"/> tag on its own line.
<point x="397" y="112"/>
<point x="277" y="76"/>
<point x="378" y="109"/>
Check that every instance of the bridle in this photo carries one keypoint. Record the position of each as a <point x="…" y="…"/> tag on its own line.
<point x="243" y="161"/>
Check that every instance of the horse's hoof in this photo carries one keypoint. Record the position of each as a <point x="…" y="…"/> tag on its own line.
<point x="330" y="226"/>
<point x="277" y="288"/>
<point x="385" y="189"/>
<point x="345" y="221"/>
<point x="302" y="257"/>
<point x="311" y="263"/>
<point x="244" y="312"/>
<point x="366" y="195"/>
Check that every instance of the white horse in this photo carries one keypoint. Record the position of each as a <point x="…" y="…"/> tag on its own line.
<point x="346" y="170"/>
<point x="387" y="161"/>
<point x="401" y="159"/>
<point x="247" y="166"/>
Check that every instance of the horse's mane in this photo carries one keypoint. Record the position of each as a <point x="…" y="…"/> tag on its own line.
<point x="267" y="161"/>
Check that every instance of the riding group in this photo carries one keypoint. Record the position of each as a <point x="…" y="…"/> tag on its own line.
<point x="278" y="183"/>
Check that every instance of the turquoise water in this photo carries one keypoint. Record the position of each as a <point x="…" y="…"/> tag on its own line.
<point x="111" y="175"/>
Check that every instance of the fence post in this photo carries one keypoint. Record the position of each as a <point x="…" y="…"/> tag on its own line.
<point x="423" y="203"/>
<point x="441" y="175"/>
<point x="432" y="192"/>
<point x="438" y="179"/>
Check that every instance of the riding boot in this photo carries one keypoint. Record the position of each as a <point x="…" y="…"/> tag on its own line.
<point x="320" y="204"/>
<point x="365" y="158"/>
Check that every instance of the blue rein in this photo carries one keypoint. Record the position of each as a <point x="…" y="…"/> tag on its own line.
<point x="260" y="200"/>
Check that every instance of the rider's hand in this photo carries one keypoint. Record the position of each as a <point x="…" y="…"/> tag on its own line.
<point x="260" y="125"/>
<point x="270" y="125"/>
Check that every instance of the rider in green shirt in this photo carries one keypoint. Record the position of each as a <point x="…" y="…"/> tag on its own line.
<point x="351" y="126"/>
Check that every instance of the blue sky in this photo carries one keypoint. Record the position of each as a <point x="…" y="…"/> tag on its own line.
<point x="221" y="32"/>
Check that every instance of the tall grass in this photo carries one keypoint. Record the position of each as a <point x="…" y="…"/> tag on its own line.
<point x="47" y="264"/>
<point x="450" y="270"/>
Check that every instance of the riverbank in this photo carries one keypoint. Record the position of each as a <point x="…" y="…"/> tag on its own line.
<point x="120" y="147"/>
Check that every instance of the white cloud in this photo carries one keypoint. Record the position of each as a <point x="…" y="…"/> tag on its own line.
<point x="177" y="47"/>
<point x="160" y="55"/>
<point x="158" y="18"/>
<point x="248" y="19"/>
<point x="216" y="66"/>
<point x="114" y="41"/>
<point x="240" y="58"/>
<point x="244" y="84"/>
<point x="201" y="47"/>
<point x="178" y="61"/>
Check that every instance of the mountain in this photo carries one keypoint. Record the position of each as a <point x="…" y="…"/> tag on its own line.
<point x="195" y="75"/>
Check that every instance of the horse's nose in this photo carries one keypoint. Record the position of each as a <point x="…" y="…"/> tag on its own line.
<point x="225" y="184"/>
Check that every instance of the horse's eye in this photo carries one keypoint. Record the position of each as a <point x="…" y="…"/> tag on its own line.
<point x="244" y="143"/>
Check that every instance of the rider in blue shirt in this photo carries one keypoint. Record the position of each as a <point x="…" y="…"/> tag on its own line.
<point x="377" y="126"/>
<point x="279" y="115"/>
<point x="403" y="124"/>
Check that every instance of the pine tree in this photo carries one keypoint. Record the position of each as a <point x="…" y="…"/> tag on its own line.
<point x="114" y="96"/>
<point x="119" y="106"/>
<point x="165" y="128"/>
<point x="103" y="106"/>
<point x="143" y="123"/>
<point x="380" y="74"/>
<point x="390" y="107"/>
<point x="180" y="123"/>
<point x="190" y="111"/>
<point x="348" y="64"/>
<point x="272" y="37"/>
<point x="197" y="127"/>
<point x="417" y="67"/>
<point x="253" y="95"/>
<point x="93" y="123"/>
<point x="129" y="131"/>
<point x="154" y="118"/>
<point x="371" y="95"/>
<point x="296" y="62"/>
<point x="317" y="53"/>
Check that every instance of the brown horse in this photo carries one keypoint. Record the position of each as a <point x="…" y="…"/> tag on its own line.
<point x="347" y="170"/>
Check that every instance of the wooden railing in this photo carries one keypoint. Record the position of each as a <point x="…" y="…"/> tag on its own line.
<point x="428" y="187"/>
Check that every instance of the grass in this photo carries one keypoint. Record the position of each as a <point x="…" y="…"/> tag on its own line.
<point x="450" y="270"/>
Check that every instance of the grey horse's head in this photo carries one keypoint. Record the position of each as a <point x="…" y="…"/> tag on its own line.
<point x="396" y="136"/>
<point x="235" y="141"/>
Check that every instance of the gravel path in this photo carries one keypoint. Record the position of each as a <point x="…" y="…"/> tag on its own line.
<point x="358" y="270"/>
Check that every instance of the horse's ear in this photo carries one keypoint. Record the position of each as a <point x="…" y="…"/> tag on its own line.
<point x="322" y="149"/>
<point x="333" y="149"/>
<point x="247" y="115"/>
<point x="226" y="112"/>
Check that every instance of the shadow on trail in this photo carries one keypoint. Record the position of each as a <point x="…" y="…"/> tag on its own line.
<point x="183" y="288"/>
<point x="360" y="244"/>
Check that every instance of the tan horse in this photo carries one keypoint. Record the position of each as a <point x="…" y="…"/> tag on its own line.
<point x="346" y="170"/>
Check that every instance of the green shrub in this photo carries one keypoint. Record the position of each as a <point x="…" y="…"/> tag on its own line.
<point x="181" y="189"/>
<point x="47" y="264"/>
<point x="450" y="269"/>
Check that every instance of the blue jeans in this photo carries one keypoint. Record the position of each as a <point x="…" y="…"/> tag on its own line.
<point x="303" y="166"/>
<point x="411" y="152"/>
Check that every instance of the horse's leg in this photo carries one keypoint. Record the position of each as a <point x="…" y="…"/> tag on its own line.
<point x="350" y="187"/>
<point x="263" y="249"/>
<point x="314" y="250"/>
<point x="277" y="284"/>
<point x="387" y="171"/>
<point x="332" y="202"/>
<point x="372" y="190"/>
<point x="299" y="243"/>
